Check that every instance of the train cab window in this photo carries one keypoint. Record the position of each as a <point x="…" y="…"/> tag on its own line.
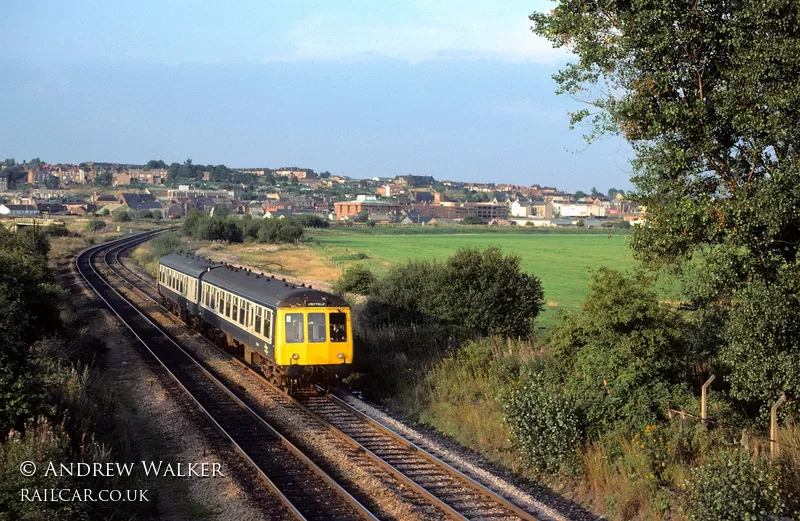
<point x="338" y="327"/>
<point x="294" y="328"/>
<point x="316" y="327"/>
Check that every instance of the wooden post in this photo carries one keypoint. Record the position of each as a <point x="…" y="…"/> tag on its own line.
<point x="704" y="399"/>
<point x="773" y="427"/>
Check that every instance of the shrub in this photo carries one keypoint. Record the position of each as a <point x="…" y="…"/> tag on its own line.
<point x="624" y="354"/>
<point x="169" y="243"/>
<point x="95" y="225"/>
<point x="472" y="219"/>
<point x="731" y="487"/>
<point x="355" y="279"/>
<point x="276" y="231"/>
<point x="122" y="217"/>
<point x="361" y="217"/>
<point x="483" y="291"/>
<point x="544" y="423"/>
<point x="313" y="221"/>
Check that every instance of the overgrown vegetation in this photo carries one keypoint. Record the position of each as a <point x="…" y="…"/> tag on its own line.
<point x="55" y="405"/>
<point x="147" y="254"/>
<point x="586" y="406"/>
<point x="355" y="279"/>
<point x="228" y="228"/>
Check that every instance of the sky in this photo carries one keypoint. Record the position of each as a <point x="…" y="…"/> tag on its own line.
<point x="457" y="90"/>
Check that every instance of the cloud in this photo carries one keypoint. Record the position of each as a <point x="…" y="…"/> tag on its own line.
<point x="326" y="38"/>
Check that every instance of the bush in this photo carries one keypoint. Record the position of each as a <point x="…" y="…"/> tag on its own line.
<point x="169" y="243"/>
<point x="276" y="231"/>
<point x="361" y="217"/>
<point x="545" y="425"/>
<point x="313" y="221"/>
<point x="122" y="217"/>
<point x="483" y="291"/>
<point x="95" y="225"/>
<point x="145" y="214"/>
<point x="731" y="487"/>
<point x="624" y="354"/>
<point x="355" y="279"/>
<point x="472" y="219"/>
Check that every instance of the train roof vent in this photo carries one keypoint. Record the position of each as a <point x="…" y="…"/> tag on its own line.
<point x="285" y="285"/>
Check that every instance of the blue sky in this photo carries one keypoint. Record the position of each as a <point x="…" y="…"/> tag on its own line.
<point x="458" y="90"/>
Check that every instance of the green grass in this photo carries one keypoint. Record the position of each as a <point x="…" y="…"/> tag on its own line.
<point x="560" y="260"/>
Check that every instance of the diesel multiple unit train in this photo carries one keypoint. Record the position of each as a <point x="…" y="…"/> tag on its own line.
<point x="292" y="332"/>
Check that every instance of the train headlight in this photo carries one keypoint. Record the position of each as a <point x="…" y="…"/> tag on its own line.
<point x="295" y="356"/>
<point x="340" y="356"/>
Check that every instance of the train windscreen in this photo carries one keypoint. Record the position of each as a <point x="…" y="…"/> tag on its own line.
<point x="338" y="327"/>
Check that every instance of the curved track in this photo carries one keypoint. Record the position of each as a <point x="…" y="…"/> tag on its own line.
<point x="455" y="494"/>
<point x="307" y="492"/>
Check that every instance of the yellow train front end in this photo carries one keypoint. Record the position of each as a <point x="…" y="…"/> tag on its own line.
<point x="314" y="343"/>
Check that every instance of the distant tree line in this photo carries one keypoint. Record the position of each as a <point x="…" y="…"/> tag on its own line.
<point x="228" y="228"/>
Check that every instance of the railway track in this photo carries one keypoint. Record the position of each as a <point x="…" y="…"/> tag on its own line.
<point x="452" y="492"/>
<point x="306" y="491"/>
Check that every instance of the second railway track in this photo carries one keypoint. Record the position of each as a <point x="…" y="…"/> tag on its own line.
<point x="306" y="490"/>
<point x="449" y="491"/>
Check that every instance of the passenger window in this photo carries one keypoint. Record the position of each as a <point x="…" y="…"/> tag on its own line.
<point x="316" y="327"/>
<point x="294" y="328"/>
<point x="257" y="325"/>
<point x="227" y="305"/>
<point x="241" y="315"/>
<point x="338" y="327"/>
<point x="268" y="324"/>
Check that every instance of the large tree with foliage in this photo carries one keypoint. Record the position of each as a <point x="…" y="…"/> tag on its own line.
<point x="707" y="94"/>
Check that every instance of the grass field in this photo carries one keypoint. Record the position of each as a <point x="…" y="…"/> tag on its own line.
<point x="560" y="260"/>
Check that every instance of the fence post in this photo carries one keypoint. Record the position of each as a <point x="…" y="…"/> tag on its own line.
<point x="704" y="399"/>
<point x="773" y="427"/>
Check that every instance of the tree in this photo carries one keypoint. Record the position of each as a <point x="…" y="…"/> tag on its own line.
<point x="482" y="291"/>
<point x="122" y="217"/>
<point x="624" y="355"/>
<point x="155" y="164"/>
<point x="355" y="279"/>
<point x="104" y="178"/>
<point x="706" y="93"/>
<point x="362" y="217"/>
<point x="472" y="219"/>
<point x="95" y="225"/>
<point x="580" y="195"/>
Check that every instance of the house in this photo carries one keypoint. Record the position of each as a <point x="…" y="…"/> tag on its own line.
<point x="77" y="209"/>
<point x="102" y="200"/>
<point x="175" y="211"/>
<point x="50" y="208"/>
<point x="277" y="214"/>
<point x="36" y="177"/>
<point x="139" y="202"/>
<point x="255" y="209"/>
<point x="122" y="179"/>
<point x="382" y="218"/>
<point x="17" y="210"/>
<point x="3" y="183"/>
